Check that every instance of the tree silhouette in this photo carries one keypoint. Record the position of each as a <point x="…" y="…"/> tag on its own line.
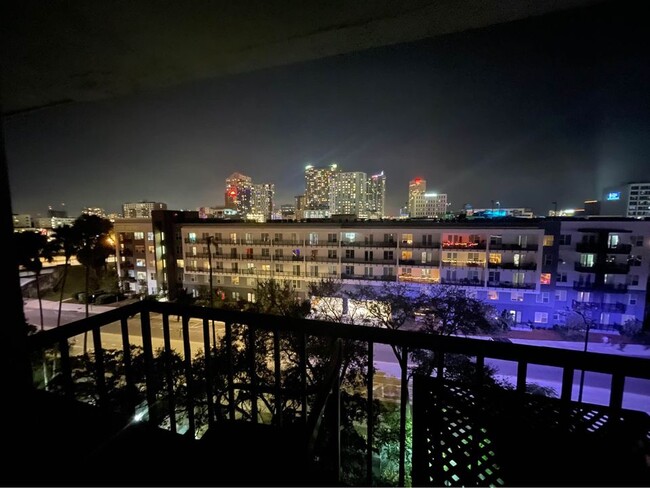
<point x="32" y="249"/>
<point x="68" y="240"/>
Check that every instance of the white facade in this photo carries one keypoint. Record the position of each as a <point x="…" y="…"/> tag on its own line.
<point x="638" y="205"/>
<point x="417" y="189"/>
<point x="435" y="205"/>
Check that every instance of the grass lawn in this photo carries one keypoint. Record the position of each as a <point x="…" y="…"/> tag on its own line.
<point x="75" y="282"/>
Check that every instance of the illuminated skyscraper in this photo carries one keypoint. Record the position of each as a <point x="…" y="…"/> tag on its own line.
<point x="317" y="193"/>
<point x="348" y="193"/>
<point x="376" y="196"/>
<point x="239" y="193"/>
<point x="417" y="189"/>
<point x="435" y="204"/>
<point x="262" y="201"/>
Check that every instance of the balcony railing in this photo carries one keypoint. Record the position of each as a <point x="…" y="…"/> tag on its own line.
<point x="364" y="277"/>
<point x="608" y="268"/>
<point x="604" y="287"/>
<point x="368" y="260"/>
<point x="594" y="248"/>
<point x="390" y="244"/>
<point x="468" y="246"/>
<point x="524" y="266"/>
<point x="463" y="264"/>
<point x="510" y="284"/>
<point x="418" y="263"/>
<point x="144" y="363"/>
<point x="419" y="245"/>
<point x="462" y="281"/>
<point x="513" y="247"/>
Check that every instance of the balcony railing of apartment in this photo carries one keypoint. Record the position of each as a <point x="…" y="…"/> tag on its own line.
<point x="368" y="261"/>
<point x="462" y="281"/>
<point x="390" y="244"/>
<point x="604" y="287"/>
<point x="470" y="246"/>
<point x="146" y="367"/>
<point x="510" y="284"/>
<point x="513" y="247"/>
<point x="613" y="307"/>
<point x="364" y="277"/>
<point x="594" y="247"/>
<point x="419" y="263"/>
<point x="609" y="268"/>
<point x="322" y="244"/>
<point x="421" y="245"/>
<point x="463" y="264"/>
<point x="418" y="279"/>
<point x="524" y="266"/>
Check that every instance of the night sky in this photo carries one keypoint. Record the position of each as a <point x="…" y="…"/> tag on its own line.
<point x="542" y="110"/>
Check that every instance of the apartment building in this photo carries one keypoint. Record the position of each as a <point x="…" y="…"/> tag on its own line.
<point x="535" y="270"/>
<point x="135" y="256"/>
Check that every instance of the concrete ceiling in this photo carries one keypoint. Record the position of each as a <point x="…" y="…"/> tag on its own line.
<point x="56" y="51"/>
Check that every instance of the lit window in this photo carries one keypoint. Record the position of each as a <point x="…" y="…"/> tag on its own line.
<point x="545" y="279"/>
<point x="495" y="258"/>
<point x="141" y="262"/>
<point x="192" y="237"/>
<point x="517" y="296"/>
<point x="541" y="317"/>
<point x="493" y="295"/>
<point x="548" y="240"/>
<point x="138" y="236"/>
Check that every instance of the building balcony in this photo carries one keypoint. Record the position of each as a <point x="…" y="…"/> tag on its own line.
<point x="463" y="264"/>
<point x="364" y="277"/>
<point x="468" y="246"/>
<point x="428" y="280"/>
<point x="513" y="247"/>
<point x="388" y="244"/>
<point x="419" y="245"/>
<point x="594" y="248"/>
<point x="418" y="263"/>
<point x="522" y="266"/>
<point x="143" y="386"/>
<point x="510" y="284"/>
<point x="322" y="244"/>
<point x="613" y="307"/>
<point x="288" y="258"/>
<point x="608" y="268"/>
<point x="368" y="261"/>
<point x="602" y="287"/>
<point x="462" y="282"/>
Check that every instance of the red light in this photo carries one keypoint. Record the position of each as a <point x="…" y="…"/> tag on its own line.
<point x="233" y="193"/>
<point x="417" y="181"/>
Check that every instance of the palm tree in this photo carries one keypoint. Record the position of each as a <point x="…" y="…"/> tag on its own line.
<point x="68" y="240"/>
<point x="94" y="248"/>
<point x="32" y="248"/>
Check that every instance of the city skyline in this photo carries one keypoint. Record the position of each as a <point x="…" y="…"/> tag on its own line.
<point x="534" y="112"/>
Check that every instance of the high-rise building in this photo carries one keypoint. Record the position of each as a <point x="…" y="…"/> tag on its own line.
<point x="376" y="196"/>
<point x="435" y="205"/>
<point x="136" y="256"/>
<point x="629" y="200"/>
<point x="262" y="201"/>
<point x="417" y="189"/>
<point x="287" y="211"/>
<point x="238" y="196"/>
<point x="638" y="204"/>
<point x="317" y="192"/>
<point x="141" y="209"/>
<point x="348" y="193"/>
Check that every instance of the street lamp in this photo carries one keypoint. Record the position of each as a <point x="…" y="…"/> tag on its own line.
<point x="209" y="242"/>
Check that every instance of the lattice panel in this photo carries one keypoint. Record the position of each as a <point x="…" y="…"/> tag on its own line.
<point x="498" y="437"/>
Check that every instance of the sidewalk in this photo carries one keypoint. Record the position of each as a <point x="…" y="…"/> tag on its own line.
<point x="639" y="350"/>
<point x="32" y="304"/>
